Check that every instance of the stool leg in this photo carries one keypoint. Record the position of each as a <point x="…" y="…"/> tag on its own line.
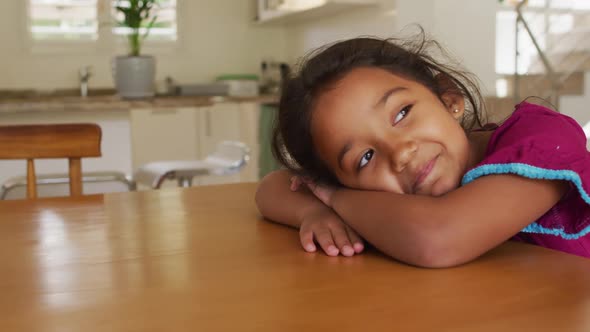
<point x="185" y="182"/>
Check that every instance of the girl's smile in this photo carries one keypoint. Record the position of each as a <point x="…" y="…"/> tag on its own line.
<point x="423" y="174"/>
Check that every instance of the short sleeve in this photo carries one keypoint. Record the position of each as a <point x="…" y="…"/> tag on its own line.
<point x="536" y="142"/>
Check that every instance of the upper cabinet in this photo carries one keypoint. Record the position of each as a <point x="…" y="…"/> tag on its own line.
<point x="283" y="12"/>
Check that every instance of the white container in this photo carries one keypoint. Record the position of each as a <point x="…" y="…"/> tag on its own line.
<point x="240" y="85"/>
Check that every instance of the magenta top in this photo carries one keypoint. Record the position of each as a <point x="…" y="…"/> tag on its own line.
<point x="538" y="143"/>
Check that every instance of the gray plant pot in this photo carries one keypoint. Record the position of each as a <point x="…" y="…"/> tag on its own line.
<point x="134" y="76"/>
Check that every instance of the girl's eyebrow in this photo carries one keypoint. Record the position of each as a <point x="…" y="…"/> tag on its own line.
<point x="381" y="101"/>
<point x="342" y="152"/>
<point x="388" y="94"/>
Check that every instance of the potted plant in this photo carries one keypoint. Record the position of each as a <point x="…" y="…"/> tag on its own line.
<point x="134" y="73"/>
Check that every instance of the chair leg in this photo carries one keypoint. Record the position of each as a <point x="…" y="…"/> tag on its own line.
<point x="75" y="177"/>
<point x="185" y="181"/>
<point x="31" y="179"/>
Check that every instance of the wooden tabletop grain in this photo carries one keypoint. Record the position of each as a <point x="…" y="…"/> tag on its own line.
<point x="202" y="259"/>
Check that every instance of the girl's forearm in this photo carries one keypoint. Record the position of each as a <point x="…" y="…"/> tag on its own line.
<point x="451" y="229"/>
<point x="277" y="202"/>
<point x="405" y="227"/>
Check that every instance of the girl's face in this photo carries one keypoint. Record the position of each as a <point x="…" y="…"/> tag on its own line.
<point x="379" y="131"/>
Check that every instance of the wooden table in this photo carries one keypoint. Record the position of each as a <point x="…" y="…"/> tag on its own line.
<point x="203" y="260"/>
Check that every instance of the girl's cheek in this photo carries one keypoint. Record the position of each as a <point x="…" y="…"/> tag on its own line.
<point x="444" y="186"/>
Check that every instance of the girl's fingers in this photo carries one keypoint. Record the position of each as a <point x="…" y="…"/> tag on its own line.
<point x="295" y="183"/>
<point x="325" y="240"/>
<point x="306" y="238"/>
<point x="342" y="241"/>
<point x="320" y="193"/>
<point x="357" y="241"/>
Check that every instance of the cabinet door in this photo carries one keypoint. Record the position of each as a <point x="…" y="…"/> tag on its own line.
<point x="193" y="133"/>
<point x="250" y="134"/>
<point x="219" y="122"/>
<point x="229" y="121"/>
<point x="164" y="134"/>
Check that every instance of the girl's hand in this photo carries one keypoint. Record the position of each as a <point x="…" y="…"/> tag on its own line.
<point x="321" y="191"/>
<point x="296" y="183"/>
<point x="327" y="229"/>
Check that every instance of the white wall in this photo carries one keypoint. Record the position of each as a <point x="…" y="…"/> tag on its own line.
<point x="468" y="28"/>
<point x="215" y="37"/>
<point x="465" y="27"/>
<point x="308" y="35"/>
<point x="577" y="107"/>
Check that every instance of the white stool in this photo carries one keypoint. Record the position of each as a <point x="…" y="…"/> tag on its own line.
<point x="228" y="158"/>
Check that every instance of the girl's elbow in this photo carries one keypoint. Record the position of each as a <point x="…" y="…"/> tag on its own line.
<point x="261" y="199"/>
<point x="439" y="252"/>
<point x="261" y="196"/>
<point x="257" y="198"/>
<point x="265" y="187"/>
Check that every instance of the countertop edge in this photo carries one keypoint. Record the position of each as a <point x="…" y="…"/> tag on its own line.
<point x="114" y="103"/>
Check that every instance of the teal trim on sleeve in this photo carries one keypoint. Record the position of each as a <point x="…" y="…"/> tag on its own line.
<point x="538" y="229"/>
<point x="533" y="172"/>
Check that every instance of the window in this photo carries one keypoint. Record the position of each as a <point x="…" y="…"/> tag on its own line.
<point x="85" y="20"/>
<point x="63" y="19"/>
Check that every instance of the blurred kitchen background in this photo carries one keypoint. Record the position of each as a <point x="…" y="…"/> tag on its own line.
<point x="218" y="66"/>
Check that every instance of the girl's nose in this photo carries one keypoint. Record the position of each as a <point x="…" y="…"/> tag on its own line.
<point x="401" y="153"/>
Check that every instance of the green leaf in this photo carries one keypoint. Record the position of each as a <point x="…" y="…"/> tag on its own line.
<point x="149" y="27"/>
<point x="134" y="17"/>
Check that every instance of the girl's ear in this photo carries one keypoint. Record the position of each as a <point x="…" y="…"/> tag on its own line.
<point x="450" y="95"/>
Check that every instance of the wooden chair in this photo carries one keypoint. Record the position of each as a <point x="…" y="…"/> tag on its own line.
<point x="72" y="141"/>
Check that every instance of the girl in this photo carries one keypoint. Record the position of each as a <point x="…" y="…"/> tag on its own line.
<point x="392" y="147"/>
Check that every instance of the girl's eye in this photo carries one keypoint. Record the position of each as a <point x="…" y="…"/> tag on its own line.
<point x="365" y="158"/>
<point x="402" y="114"/>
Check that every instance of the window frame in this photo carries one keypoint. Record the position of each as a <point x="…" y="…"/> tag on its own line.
<point x="106" y="41"/>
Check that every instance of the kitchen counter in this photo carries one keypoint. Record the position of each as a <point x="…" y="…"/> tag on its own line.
<point x="110" y="102"/>
<point x="139" y="131"/>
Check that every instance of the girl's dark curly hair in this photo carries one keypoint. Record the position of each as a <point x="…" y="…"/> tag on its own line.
<point x="414" y="59"/>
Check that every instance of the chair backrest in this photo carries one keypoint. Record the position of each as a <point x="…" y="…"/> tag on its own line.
<point x="72" y="141"/>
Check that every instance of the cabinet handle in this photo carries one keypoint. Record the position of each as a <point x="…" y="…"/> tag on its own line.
<point x="207" y="123"/>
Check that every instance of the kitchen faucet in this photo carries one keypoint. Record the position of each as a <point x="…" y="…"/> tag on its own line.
<point x="84" y="75"/>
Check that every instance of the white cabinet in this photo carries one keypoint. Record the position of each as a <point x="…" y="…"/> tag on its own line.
<point x="193" y="133"/>
<point x="250" y="134"/>
<point x="218" y="123"/>
<point x="163" y="134"/>
<point x="229" y="121"/>
<point x="280" y="12"/>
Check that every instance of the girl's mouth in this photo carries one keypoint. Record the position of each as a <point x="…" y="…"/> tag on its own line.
<point x="423" y="173"/>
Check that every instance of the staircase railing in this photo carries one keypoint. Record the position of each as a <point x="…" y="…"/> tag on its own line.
<point x="555" y="84"/>
<point x="556" y="79"/>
